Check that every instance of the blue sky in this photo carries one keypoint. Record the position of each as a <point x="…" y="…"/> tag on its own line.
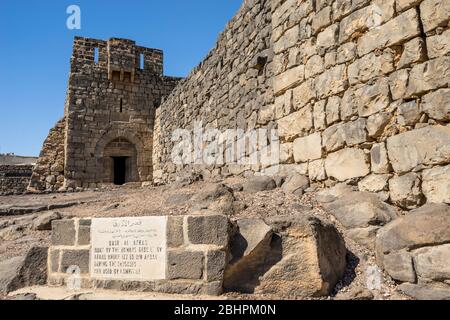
<point x="36" y="48"/>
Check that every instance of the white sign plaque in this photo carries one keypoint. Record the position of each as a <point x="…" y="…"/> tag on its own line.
<point x="133" y="249"/>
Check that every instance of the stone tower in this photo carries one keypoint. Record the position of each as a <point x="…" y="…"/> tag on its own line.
<point x="106" y="133"/>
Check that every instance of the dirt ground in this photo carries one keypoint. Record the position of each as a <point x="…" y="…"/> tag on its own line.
<point x="176" y="200"/>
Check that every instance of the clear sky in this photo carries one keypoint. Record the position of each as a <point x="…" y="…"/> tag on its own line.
<point x="36" y="47"/>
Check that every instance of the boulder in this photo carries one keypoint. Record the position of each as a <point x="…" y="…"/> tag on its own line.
<point x="249" y="249"/>
<point x="259" y="183"/>
<point x="295" y="184"/>
<point x="361" y="210"/>
<point x="331" y="194"/>
<point x="307" y="258"/>
<point x="44" y="221"/>
<point x="23" y="271"/>
<point x="421" y="239"/>
<point x="426" y="291"/>
<point x="215" y="197"/>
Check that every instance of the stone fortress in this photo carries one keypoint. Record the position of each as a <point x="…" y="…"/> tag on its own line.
<point x="359" y="93"/>
<point x="358" y="90"/>
<point x="106" y="135"/>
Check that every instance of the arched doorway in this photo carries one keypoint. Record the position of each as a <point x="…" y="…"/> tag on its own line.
<point x="120" y="162"/>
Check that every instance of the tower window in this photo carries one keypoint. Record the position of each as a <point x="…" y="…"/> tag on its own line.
<point x="121" y="105"/>
<point x="96" y="55"/>
<point x="141" y="61"/>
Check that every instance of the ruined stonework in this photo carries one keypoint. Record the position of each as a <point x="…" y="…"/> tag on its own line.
<point x="358" y="90"/>
<point x="106" y="134"/>
<point x="14" y="179"/>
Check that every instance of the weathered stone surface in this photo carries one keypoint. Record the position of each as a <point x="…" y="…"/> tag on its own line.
<point x="426" y="146"/>
<point x="319" y="115"/>
<point x="295" y="184"/>
<point x="405" y="191"/>
<point x="75" y="258"/>
<point x="308" y="148"/>
<point x="250" y="247"/>
<point x="296" y="124"/>
<point x="84" y="232"/>
<point x="346" y="164"/>
<point x="413" y="51"/>
<point x="371" y="66"/>
<point x="175" y="234"/>
<point x="400" y="266"/>
<point x="216" y="262"/>
<point x="438" y="45"/>
<point x="429" y="75"/>
<point x="432" y="263"/>
<point x="426" y="291"/>
<point x="398" y="30"/>
<point x="436" y="184"/>
<point x="425" y="226"/>
<point x="215" y="197"/>
<point x="307" y="267"/>
<point x="434" y="13"/>
<point x="361" y="210"/>
<point x="208" y="229"/>
<point x="364" y="236"/>
<point x="44" y="221"/>
<point x="185" y="264"/>
<point x="332" y="81"/>
<point x="408" y="113"/>
<point x="288" y="79"/>
<point x="374" y="183"/>
<point x="372" y="98"/>
<point x="332" y="110"/>
<point x="24" y="271"/>
<point x="259" y="183"/>
<point x="316" y="170"/>
<point x="437" y="104"/>
<point x="377" y="123"/>
<point x="63" y="232"/>
<point x="333" y="193"/>
<point x="379" y="159"/>
<point x="398" y="82"/>
<point x="303" y="94"/>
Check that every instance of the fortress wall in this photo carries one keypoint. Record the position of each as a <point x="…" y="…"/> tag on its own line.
<point x="358" y="90"/>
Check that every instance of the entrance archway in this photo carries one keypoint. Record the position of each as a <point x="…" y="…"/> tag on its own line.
<point x="120" y="162"/>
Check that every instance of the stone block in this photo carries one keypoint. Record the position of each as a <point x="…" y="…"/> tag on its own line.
<point x="405" y="191"/>
<point x="319" y="115"/>
<point x="396" y="31"/>
<point x="400" y="266"/>
<point x="398" y="83"/>
<point x="63" y="233"/>
<point x="437" y="104"/>
<point x="347" y="164"/>
<point x="211" y="229"/>
<point x="296" y="124"/>
<point x="54" y="260"/>
<point x="74" y="259"/>
<point x="314" y="66"/>
<point x="379" y="159"/>
<point x="425" y="146"/>
<point x="408" y="113"/>
<point x="84" y="232"/>
<point x="377" y="123"/>
<point x="332" y="81"/>
<point x="373" y="98"/>
<point x="432" y="263"/>
<point x="308" y="148"/>
<point x="328" y="37"/>
<point x="438" y="45"/>
<point x="332" y="110"/>
<point x="175" y="231"/>
<point x="371" y="66"/>
<point x="288" y="79"/>
<point x="185" y="264"/>
<point x="316" y="170"/>
<point x="436" y="184"/>
<point x="428" y="76"/>
<point x="303" y="94"/>
<point x="413" y="51"/>
<point x="374" y="183"/>
<point x="434" y="13"/>
<point x="216" y="262"/>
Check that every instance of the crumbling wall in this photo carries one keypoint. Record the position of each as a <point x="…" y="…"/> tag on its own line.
<point x="360" y="93"/>
<point x="14" y="179"/>
<point x="48" y="173"/>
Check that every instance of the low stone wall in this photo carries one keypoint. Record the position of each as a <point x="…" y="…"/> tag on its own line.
<point x="14" y="179"/>
<point x="196" y="257"/>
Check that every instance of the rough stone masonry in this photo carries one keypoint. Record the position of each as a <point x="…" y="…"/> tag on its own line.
<point x="358" y="91"/>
